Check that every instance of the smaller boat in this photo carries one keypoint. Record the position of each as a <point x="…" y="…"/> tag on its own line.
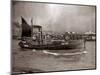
<point x="90" y="36"/>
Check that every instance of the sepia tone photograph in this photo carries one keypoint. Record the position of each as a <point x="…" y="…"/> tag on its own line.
<point x="52" y="37"/>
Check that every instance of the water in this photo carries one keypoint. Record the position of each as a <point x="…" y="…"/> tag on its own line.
<point x="37" y="61"/>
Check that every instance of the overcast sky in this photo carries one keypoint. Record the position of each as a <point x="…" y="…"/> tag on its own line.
<point x="56" y="17"/>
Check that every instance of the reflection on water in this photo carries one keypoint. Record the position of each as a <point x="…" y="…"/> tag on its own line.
<point x="33" y="59"/>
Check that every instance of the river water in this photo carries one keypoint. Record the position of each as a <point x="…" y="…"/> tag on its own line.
<point x="36" y="61"/>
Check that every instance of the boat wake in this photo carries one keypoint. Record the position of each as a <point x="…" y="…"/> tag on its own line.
<point x="65" y="54"/>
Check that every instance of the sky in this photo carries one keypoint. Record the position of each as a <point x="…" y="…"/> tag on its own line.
<point x="56" y="17"/>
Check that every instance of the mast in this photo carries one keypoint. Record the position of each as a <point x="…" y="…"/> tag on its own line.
<point x="31" y="27"/>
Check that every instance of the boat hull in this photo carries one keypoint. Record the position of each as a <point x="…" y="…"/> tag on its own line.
<point x="75" y="44"/>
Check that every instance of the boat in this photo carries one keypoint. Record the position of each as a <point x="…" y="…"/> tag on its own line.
<point x="90" y="36"/>
<point x="35" y="40"/>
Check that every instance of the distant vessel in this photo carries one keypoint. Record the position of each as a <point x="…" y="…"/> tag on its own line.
<point x="90" y="36"/>
<point x="35" y="40"/>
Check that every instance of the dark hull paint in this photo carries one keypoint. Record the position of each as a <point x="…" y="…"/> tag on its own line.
<point x="72" y="45"/>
